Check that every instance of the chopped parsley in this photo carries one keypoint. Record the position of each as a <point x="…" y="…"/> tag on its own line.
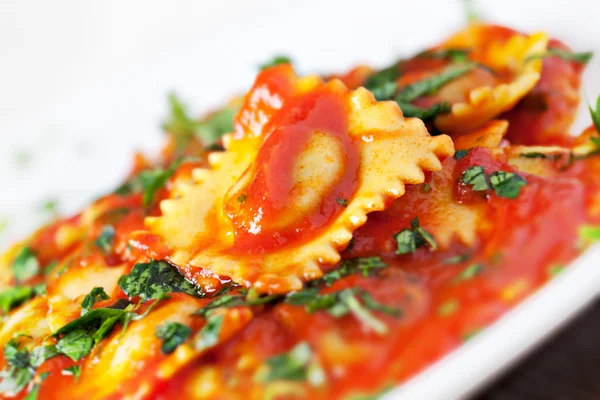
<point x="106" y="238"/>
<point x="362" y="265"/>
<point x="279" y="59"/>
<point x="541" y="155"/>
<point x="21" y="365"/>
<point x="410" y="239"/>
<point x="148" y="182"/>
<point x="51" y="206"/>
<point x="342" y="202"/>
<point x="241" y="198"/>
<point x="33" y="394"/>
<point x="25" y="265"/>
<point x="475" y="176"/>
<point x="154" y="280"/>
<point x="507" y="184"/>
<point x="469" y="273"/>
<point x="448" y="308"/>
<point x="17" y="295"/>
<point x="76" y="344"/>
<point x="235" y="300"/>
<point x="430" y="85"/>
<point x="426" y="188"/>
<point x="97" y="294"/>
<point x="344" y="302"/>
<point x="79" y="336"/>
<point x="295" y="365"/>
<point x="461" y="154"/>
<point x="74" y="370"/>
<point x="208" y="336"/>
<point x="589" y="233"/>
<point x="458" y="259"/>
<point x="555" y="269"/>
<point x="454" y="55"/>
<point x="184" y="128"/>
<point x="581" y="58"/>
<point x="383" y="83"/>
<point x="596" y="114"/>
<point x="411" y="111"/>
<point x="172" y="335"/>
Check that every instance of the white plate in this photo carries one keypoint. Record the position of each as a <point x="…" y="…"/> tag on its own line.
<point x="84" y="85"/>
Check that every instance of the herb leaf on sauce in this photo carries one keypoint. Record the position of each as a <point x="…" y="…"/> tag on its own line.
<point x="74" y="370"/>
<point x="507" y="184"/>
<point x="97" y="294"/>
<point x="411" y="111"/>
<point x="432" y="84"/>
<point x="17" y="295"/>
<point x="21" y="365"/>
<point x="298" y="364"/>
<point x="279" y="59"/>
<point x="475" y="176"/>
<point x="410" y="239"/>
<point x="155" y="279"/>
<point x="208" y="336"/>
<point x="581" y="58"/>
<point x="106" y="238"/>
<point x="595" y="113"/>
<point x="25" y="265"/>
<point x="383" y="83"/>
<point x="454" y="55"/>
<point x="172" y="335"/>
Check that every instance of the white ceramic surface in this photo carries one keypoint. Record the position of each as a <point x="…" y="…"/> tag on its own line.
<point x="82" y="85"/>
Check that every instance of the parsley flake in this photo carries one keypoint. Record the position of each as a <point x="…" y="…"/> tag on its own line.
<point x="172" y="335"/>
<point x="507" y="184"/>
<point x="581" y="58"/>
<point x="596" y="114"/>
<point x="475" y="177"/>
<point x="383" y="83"/>
<point x="410" y="239"/>
<point x="342" y="202"/>
<point x="589" y="233"/>
<point x="279" y="59"/>
<point x="208" y="336"/>
<point x="97" y="294"/>
<point x="74" y="370"/>
<point x="241" y="198"/>
<point x="461" y="154"/>
<point x="430" y="85"/>
<point x="155" y="279"/>
<point x="469" y="273"/>
<point x="411" y="111"/>
<point x="290" y="366"/>
<point x="25" y="265"/>
<point x="106" y="238"/>
<point x="17" y="295"/>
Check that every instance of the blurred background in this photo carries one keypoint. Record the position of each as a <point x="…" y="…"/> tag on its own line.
<point x="84" y="84"/>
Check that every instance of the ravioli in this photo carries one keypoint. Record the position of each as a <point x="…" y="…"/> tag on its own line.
<point x="294" y="182"/>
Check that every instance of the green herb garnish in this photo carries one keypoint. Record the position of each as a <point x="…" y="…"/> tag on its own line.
<point x="362" y="265"/>
<point x="25" y="265"/>
<point x="470" y="272"/>
<point x="97" y="294"/>
<point x="410" y="239"/>
<point x="342" y="202"/>
<point x="507" y="184"/>
<point x="475" y="177"/>
<point x="582" y="58"/>
<point x="454" y="55"/>
<point x="411" y="111"/>
<point x="290" y="366"/>
<point x="461" y="154"/>
<point x="106" y="238"/>
<point x="596" y="114"/>
<point x="589" y="233"/>
<point x="208" y="336"/>
<point x="75" y="370"/>
<point x="155" y="279"/>
<point x="383" y="83"/>
<point x="279" y="59"/>
<point x="17" y="295"/>
<point x="241" y="198"/>
<point x="430" y="85"/>
<point x="172" y="335"/>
